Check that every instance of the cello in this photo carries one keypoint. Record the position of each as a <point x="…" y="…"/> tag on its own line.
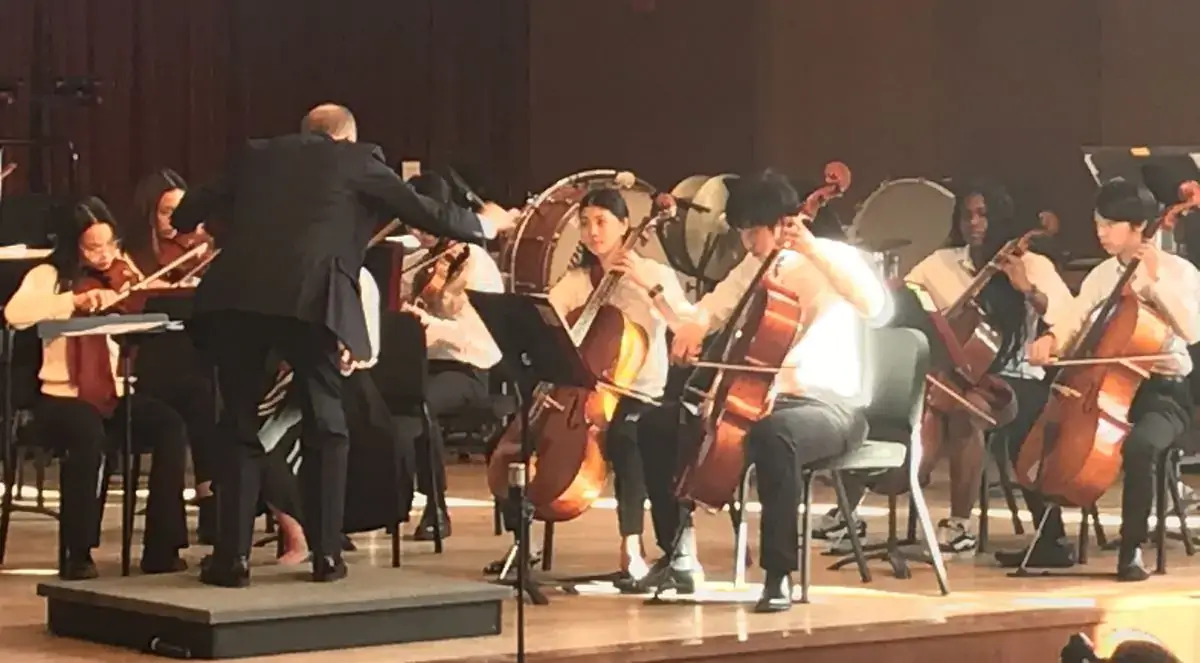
<point x="766" y="324"/>
<point x="1072" y="454"/>
<point x="568" y="469"/>
<point x="972" y="345"/>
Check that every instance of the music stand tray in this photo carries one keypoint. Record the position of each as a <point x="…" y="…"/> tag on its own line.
<point x="127" y="329"/>
<point x="536" y="345"/>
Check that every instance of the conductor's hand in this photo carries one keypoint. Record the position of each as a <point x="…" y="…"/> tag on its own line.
<point x="8" y="170"/>
<point x="502" y="220"/>
<point x="345" y="360"/>
<point x="1041" y="351"/>
<point x="94" y="301"/>
<point x="685" y="347"/>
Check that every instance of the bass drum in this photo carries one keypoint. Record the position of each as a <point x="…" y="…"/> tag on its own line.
<point x="913" y="215"/>
<point x="545" y="243"/>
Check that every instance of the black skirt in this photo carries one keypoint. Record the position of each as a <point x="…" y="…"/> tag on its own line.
<point x="379" y="486"/>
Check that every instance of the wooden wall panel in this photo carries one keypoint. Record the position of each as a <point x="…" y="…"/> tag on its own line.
<point x="667" y="93"/>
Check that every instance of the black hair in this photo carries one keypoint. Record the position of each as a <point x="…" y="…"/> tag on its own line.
<point x="74" y="221"/>
<point x="760" y="200"/>
<point x="138" y="228"/>
<point x="431" y="185"/>
<point x="604" y="198"/>
<point x="1003" y="304"/>
<point x="1120" y="199"/>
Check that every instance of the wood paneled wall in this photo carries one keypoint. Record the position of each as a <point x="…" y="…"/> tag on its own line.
<point x="531" y="90"/>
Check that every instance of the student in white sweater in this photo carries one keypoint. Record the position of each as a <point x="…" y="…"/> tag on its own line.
<point x="84" y="428"/>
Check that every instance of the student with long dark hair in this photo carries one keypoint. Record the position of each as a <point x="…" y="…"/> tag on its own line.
<point x="79" y="414"/>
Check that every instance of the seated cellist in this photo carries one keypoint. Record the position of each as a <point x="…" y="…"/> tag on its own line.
<point x="1028" y="291"/>
<point x="604" y="223"/>
<point x="818" y="409"/>
<point x="1162" y="408"/>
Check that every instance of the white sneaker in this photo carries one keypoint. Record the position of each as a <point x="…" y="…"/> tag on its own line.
<point x="954" y="536"/>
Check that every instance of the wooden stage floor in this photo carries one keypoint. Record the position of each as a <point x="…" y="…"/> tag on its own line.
<point x="987" y="617"/>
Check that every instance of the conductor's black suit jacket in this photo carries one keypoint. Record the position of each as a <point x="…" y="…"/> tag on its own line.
<point x="294" y="215"/>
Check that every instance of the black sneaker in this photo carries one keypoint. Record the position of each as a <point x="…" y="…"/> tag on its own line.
<point x="776" y="594"/>
<point x="661" y="577"/>
<point x="1129" y="565"/>
<point x="831" y="526"/>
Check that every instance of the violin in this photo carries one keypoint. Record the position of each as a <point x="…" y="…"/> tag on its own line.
<point x="169" y="249"/>
<point x="767" y="323"/>
<point x="438" y="284"/>
<point x="1072" y="454"/>
<point x="567" y="424"/>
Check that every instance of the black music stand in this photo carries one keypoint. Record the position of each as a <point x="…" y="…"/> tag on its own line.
<point x="127" y="330"/>
<point x="537" y="348"/>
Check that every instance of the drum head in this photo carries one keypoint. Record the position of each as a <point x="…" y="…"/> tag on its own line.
<point x="712" y="245"/>
<point x="916" y="210"/>
<point x="672" y="235"/>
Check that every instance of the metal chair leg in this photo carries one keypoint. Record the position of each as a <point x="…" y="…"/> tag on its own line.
<point x="806" y="536"/>
<point x="844" y="506"/>
<point x="926" y="523"/>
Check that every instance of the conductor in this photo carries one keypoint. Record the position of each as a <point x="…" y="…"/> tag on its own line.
<point x="294" y="215"/>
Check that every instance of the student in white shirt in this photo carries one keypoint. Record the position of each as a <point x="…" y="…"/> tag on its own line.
<point x="79" y="417"/>
<point x="1026" y="293"/>
<point x="819" y="397"/>
<point x="604" y="222"/>
<point x="1162" y="408"/>
<point x="461" y="353"/>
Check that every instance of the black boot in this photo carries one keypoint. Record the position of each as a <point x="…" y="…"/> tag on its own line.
<point x="78" y="565"/>
<point x="225" y="573"/>
<point x="206" y="520"/>
<point x="1129" y="565"/>
<point x="776" y="594"/>
<point x="162" y="561"/>
<point x="430" y="517"/>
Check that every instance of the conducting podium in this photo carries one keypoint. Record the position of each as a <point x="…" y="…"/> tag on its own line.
<point x="126" y="330"/>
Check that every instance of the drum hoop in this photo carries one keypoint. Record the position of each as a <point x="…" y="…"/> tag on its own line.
<point x="587" y="178"/>
<point x="887" y="183"/>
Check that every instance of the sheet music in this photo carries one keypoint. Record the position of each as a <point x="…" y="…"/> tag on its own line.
<point x="118" y="329"/>
<point x="23" y="252"/>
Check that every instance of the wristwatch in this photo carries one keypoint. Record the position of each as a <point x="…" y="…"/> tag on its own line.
<point x="655" y="291"/>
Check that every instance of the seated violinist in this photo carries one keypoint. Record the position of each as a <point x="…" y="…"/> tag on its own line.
<point x="169" y="366"/>
<point x="81" y="395"/>
<point x="150" y="239"/>
<point x="1026" y="292"/>
<point x="461" y="351"/>
<point x="818" y="396"/>
<point x="1162" y="408"/>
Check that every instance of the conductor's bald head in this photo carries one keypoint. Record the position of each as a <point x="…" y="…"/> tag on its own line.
<point x="333" y="120"/>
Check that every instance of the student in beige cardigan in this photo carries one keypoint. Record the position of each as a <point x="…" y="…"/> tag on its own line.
<point x="84" y="430"/>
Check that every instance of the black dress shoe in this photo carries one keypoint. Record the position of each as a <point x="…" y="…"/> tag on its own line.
<point x="1046" y="555"/>
<point x="225" y="573"/>
<point x="776" y="594"/>
<point x="78" y="566"/>
<point x="329" y="569"/>
<point x="662" y="576"/>
<point x="1129" y="565"/>
<point x="429" y="518"/>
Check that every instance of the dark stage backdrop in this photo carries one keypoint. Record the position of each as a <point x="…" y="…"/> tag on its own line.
<point x="531" y="90"/>
<point x="186" y="79"/>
